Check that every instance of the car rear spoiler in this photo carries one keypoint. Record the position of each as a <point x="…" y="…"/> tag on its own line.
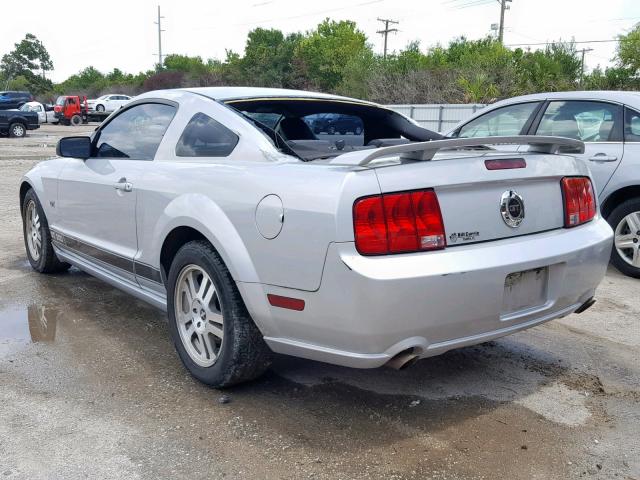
<point x="422" y="151"/>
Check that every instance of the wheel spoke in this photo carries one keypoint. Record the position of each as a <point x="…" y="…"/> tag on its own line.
<point x="636" y="257"/>
<point x="205" y="287"/>
<point x="190" y="282"/>
<point x="633" y="220"/>
<point x="210" y="351"/>
<point x="215" y="329"/>
<point x="625" y="241"/>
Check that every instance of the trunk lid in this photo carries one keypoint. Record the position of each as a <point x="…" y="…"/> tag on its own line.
<point x="478" y="204"/>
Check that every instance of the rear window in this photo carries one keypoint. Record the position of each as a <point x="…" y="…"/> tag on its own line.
<point x="205" y="137"/>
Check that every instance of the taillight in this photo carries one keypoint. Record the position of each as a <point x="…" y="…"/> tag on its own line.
<point x="579" y="201"/>
<point x="398" y="223"/>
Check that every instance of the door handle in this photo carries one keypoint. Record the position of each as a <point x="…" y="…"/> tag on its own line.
<point x="603" y="157"/>
<point x="123" y="185"/>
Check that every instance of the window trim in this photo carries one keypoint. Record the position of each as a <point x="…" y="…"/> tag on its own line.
<point x="143" y="101"/>
<point x="535" y="125"/>
<point x="175" y="149"/>
<point x="525" y="128"/>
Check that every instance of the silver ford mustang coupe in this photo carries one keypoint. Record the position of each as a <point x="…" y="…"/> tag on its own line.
<point x="324" y="227"/>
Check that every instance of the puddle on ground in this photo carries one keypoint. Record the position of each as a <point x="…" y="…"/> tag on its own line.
<point x="35" y="323"/>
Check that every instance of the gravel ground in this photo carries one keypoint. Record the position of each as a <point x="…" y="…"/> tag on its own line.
<point x="90" y="387"/>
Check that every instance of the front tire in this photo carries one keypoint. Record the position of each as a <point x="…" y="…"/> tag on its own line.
<point x="625" y="221"/>
<point x="37" y="237"/>
<point x="76" y="120"/>
<point x="216" y="339"/>
<point x="100" y="108"/>
<point x="17" y="130"/>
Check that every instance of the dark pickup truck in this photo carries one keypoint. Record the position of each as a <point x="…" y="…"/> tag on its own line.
<point x="16" y="122"/>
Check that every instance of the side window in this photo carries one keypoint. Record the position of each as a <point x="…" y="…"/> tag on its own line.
<point x="135" y="133"/>
<point x="204" y="137"/>
<point x="583" y="120"/>
<point x="631" y="125"/>
<point x="509" y="120"/>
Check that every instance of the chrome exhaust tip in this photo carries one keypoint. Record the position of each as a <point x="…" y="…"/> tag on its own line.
<point x="402" y="360"/>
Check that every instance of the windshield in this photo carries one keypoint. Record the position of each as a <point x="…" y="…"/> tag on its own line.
<point x="28" y="108"/>
<point x="60" y="100"/>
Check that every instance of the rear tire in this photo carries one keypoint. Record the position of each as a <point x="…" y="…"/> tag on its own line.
<point x="37" y="237"/>
<point x="76" y="120"/>
<point x="216" y="339"/>
<point x="17" y="130"/>
<point x="625" y="221"/>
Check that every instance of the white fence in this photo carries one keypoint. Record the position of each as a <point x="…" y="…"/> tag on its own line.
<point x="438" y="117"/>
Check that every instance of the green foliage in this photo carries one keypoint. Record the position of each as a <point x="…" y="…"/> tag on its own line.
<point x="325" y="51"/>
<point x="30" y="61"/>
<point x="335" y="57"/>
<point x="629" y="50"/>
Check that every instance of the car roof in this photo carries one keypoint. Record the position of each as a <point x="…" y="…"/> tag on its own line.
<point x="629" y="98"/>
<point x="236" y="93"/>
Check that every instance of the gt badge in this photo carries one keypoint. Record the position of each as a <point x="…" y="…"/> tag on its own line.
<point x="512" y="208"/>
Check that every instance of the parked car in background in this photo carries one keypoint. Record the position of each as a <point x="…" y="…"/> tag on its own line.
<point x="12" y="99"/>
<point x="45" y="112"/>
<point x="334" y="123"/>
<point x="609" y="124"/>
<point x="15" y="123"/>
<point x="108" y="103"/>
<point x="260" y="238"/>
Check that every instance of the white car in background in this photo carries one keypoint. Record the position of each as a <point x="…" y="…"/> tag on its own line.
<point x="44" y="115"/>
<point x="608" y="122"/>
<point x="109" y="103"/>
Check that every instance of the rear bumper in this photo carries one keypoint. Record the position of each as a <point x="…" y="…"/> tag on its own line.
<point x="369" y="309"/>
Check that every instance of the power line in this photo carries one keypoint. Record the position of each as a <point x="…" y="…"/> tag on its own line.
<point x="386" y="32"/>
<point x="553" y="43"/>
<point x="159" y="23"/>
<point x="303" y="15"/>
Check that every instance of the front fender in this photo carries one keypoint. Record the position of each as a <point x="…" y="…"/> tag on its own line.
<point x="43" y="179"/>
<point x="199" y="212"/>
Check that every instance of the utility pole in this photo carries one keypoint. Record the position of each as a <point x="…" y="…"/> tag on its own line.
<point x="386" y="32"/>
<point x="159" y="38"/>
<point x="503" y="8"/>
<point x="583" y="51"/>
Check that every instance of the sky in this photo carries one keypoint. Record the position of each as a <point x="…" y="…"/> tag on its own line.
<point x="122" y="34"/>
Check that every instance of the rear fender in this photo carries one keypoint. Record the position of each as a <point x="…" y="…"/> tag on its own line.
<point x="199" y="212"/>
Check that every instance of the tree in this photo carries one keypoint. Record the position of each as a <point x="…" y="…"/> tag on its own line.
<point x="325" y="51"/>
<point x="628" y="51"/>
<point x="268" y="58"/>
<point x="30" y="60"/>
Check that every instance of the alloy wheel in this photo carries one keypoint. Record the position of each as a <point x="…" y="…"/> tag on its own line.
<point x="198" y="312"/>
<point x="627" y="239"/>
<point x="32" y="224"/>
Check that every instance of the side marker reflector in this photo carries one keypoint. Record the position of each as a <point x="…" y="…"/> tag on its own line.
<point x="286" y="302"/>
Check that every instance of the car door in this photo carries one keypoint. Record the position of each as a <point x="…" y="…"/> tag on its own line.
<point x="514" y="119"/>
<point x="42" y="117"/>
<point x="97" y="196"/>
<point x="597" y="123"/>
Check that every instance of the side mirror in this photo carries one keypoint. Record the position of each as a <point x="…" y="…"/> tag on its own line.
<point x="74" y="147"/>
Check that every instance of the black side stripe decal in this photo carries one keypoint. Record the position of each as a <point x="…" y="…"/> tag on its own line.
<point x="134" y="267"/>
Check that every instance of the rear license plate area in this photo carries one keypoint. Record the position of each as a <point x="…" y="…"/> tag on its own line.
<point x="525" y="290"/>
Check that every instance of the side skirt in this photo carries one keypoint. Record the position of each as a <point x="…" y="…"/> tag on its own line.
<point x="159" y="301"/>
